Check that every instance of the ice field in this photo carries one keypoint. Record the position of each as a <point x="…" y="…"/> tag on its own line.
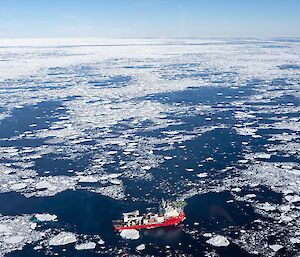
<point x="92" y="128"/>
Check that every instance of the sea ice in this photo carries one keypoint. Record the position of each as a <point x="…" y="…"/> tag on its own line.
<point x="45" y="217"/>
<point x="101" y="241"/>
<point x="4" y="228"/>
<point x="17" y="231"/>
<point x="202" y="175"/>
<point x="189" y="169"/>
<point x="292" y="198"/>
<point x="250" y="196"/>
<point x="18" y="186"/>
<point x="13" y="239"/>
<point x="93" y="114"/>
<point x="85" y="246"/>
<point x="33" y="225"/>
<point x="295" y="240"/>
<point x="262" y="155"/>
<point x="266" y="207"/>
<point x="63" y="238"/>
<point x="218" y="241"/>
<point x="276" y="247"/>
<point x="246" y="131"/>
<point x="43" y="185"/>
<point x="130" y="234"/>
<point x="140" y="247"/>
<point x="87" y="179"/>
<point x="115" y="181"/>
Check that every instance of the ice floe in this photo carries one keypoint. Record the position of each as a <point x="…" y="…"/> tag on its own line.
<point x="266" y="207"/>
<point x="292" y="198"/>
<point x="63" y="238"/>
<point x="218" y="241"/>
<point x="295" y="240"/>
<point x="13" y="239"/>
<point x="207" y="234"/>
<point x="45" y="217"/>
<point x="4" y="228"/>
<point x="18" y="186"/>
<point x="85" y="246"/>
<point x="130" y="234"/>
<point x="16" y="232"/>
<point x="202" y="175"/>
<point x="276" y="247"/>
<point x="140" y="247"/>
<point x="101" y="242"/>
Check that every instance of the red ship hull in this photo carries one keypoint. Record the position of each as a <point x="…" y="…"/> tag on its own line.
<point x="166" y="223"/>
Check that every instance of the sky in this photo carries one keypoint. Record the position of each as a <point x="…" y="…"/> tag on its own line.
<point x="149" y="18"/>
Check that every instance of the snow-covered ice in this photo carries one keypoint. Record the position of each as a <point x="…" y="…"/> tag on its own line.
<point x="85" y="246"/>
<point x="276" y="247"/>
<point x="4" y="228"/>
<point x="218" y="241"/>
<point x="63" y="238"/>
<point x="101" y="242"/>
<point x="130" y="234"/>
<point x="207" y="234"/>
<point x="140" y="247"/>
<point x="45" y="217"/>
<point x="16" y="232"/>
<point x="13" y="239"/>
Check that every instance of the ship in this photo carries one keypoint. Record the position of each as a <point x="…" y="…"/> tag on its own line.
<point x="169" y="214"/>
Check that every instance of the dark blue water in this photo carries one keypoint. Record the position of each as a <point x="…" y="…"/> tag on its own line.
<point x="289" y="67"/>
<point x="91" y="214"/>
